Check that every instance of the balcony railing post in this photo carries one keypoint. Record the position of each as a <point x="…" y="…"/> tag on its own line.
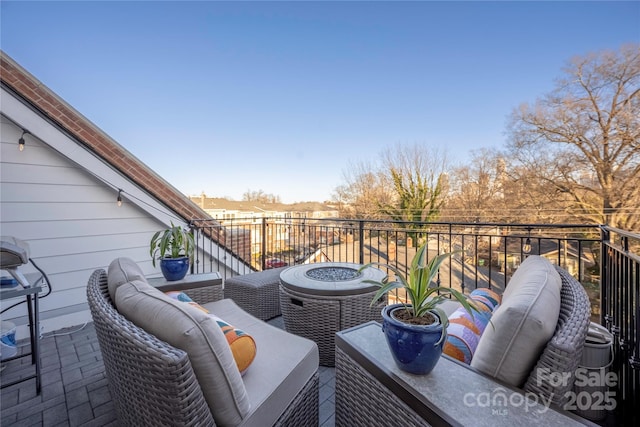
<point x="604" y="274"/>
<point x="196" y="253"/>
<point x="263" y="244"/>
<point x="361" y="243"/>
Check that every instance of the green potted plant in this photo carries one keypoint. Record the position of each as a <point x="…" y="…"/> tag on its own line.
<point x="416" y="331"/>
<point x="174" y="247"/>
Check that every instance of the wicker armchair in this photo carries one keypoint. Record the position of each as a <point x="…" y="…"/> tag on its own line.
<point x="150" y="381"/>
<point x="564" y="351"/>
<point x="153" y="383"/>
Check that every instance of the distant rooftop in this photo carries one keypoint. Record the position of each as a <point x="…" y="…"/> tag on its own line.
<point x="216" y="203"/>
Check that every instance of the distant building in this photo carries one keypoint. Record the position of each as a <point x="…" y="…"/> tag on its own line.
<point x="244" y="218"/>
<point x="225" y="210"/>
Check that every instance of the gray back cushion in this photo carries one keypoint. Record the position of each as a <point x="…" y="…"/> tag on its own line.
<point x="522" y="325"/>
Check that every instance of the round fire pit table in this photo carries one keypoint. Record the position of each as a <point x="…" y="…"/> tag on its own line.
<point x="318" y="300"/>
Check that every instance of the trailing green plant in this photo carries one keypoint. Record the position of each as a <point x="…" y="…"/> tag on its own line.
<point x="173" y="242"/>
<point x="422" y="296"/>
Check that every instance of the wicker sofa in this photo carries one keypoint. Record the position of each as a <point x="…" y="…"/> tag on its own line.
<point x="153" y="382"/>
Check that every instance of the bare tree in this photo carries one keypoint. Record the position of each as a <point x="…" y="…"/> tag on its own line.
<point x="477" y="193"/>
<point x="582" y="141"/>
<point x="491" y="188"/>
<point x="260" y="196"/>
<point x="419" y="180"/>
<point x="364" y="189"/>
<point x="407" y="183"/>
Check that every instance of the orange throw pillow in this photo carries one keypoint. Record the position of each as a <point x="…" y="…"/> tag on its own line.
<point x="243" y="346"/>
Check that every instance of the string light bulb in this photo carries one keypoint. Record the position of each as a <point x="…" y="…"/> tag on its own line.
<point x="21" y="140"/>
<point x="526" y="248"/>
<point x="119" y="199"/>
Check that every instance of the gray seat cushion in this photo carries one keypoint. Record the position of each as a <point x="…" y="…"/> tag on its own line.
<point x="284" y="363"/>
<point x="257" y="279"/>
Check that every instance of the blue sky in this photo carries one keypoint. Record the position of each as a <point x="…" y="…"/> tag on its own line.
<point x="225" y="97"/>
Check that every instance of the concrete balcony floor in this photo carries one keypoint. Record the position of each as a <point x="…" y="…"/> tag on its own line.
<point x="74" y="385"/>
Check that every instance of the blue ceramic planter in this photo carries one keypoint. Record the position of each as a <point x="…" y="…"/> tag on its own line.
<point x="174" y="268"/>
<point x="416" y="349"/>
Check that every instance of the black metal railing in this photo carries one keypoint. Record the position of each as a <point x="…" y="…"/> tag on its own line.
<point x="605" y="260"/>
<point x="487" y="253"/>
<point x="620" y="290"/>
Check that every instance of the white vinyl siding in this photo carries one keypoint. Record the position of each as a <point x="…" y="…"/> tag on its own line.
<point x="68" y="214"/>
